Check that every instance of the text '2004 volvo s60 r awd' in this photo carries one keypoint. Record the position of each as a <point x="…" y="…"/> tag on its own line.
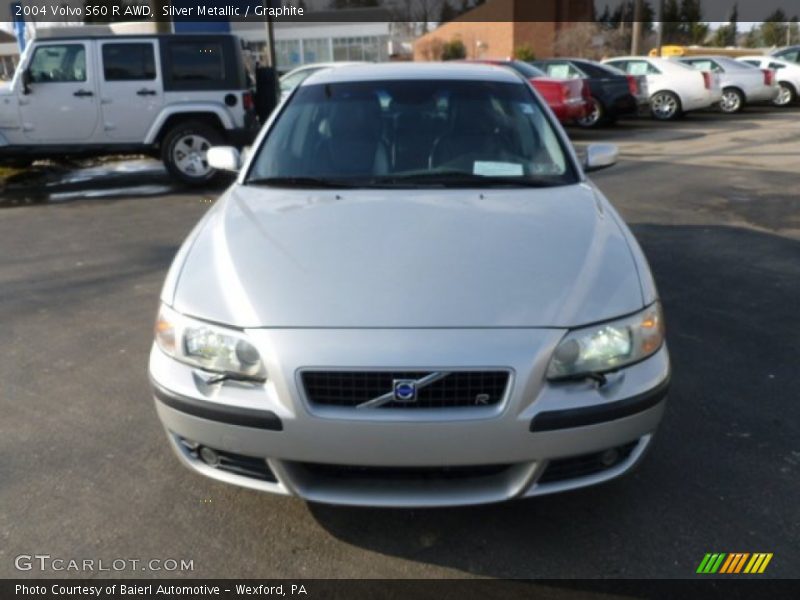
<point x="411" y="296"/>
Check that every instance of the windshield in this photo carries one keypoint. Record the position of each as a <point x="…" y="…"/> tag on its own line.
<point x="412" y="133"/>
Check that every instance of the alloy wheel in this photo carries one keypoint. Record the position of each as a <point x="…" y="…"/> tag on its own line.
<point x="594" y="115"/>
<point x="784" y="96"/>
<point x="664" y="105"/>
<point x="189" y="155"/>
<point x="731" y="101"/>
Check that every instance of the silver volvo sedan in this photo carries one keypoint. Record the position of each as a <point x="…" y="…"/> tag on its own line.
<point x="411" y="296"/>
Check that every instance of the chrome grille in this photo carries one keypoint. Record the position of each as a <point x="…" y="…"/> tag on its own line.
<point x="433" y="389"/>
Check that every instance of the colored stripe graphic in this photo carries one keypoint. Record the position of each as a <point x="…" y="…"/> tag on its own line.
<point x="758" y="563"/>
<point x="734" y="563"/>
<point x="711" y="563"/>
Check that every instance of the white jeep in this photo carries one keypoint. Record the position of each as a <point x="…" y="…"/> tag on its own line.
<point x="169" y="96"/>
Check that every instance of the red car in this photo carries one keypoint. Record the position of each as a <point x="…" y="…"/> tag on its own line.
<point x="569" y="99"/>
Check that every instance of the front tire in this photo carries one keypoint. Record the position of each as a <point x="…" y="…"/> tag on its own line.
<point x="732" y="101"/>
<point x="786" y="96"/>
<point x="596" y="115"/>
<point x="184" y="151"/>
<point x="665" y="106"/>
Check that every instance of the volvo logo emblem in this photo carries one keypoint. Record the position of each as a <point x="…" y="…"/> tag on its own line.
<point x="405" y="390"/>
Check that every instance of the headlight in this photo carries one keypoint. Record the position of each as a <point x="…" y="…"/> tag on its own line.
<point x="207" y="346"/>
<point x="608" y="346"/>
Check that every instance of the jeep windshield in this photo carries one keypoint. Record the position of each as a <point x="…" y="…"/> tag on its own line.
<point x="412" y="133"/>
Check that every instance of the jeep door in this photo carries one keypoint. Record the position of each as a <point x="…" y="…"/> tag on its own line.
<point x="131" y="91"/>
<point x="59" y="105"/>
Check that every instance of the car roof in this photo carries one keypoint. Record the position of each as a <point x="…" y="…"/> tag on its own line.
<point x="704" y="57"/>
<point x="431" y="70"/>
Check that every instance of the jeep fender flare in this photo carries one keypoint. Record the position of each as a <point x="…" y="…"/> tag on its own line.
<point x="191" y="110"/>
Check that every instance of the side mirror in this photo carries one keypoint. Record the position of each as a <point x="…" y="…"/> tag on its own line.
<point x="224" y="158"/>
<point x="26" y="82"/>
<point x="600" y="156"/>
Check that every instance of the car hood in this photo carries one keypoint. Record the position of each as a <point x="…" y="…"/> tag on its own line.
<point x="543" y="257"/>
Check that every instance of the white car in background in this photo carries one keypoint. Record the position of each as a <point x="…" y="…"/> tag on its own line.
<point x="787" y="75"/>
<point x="674" y="88"/>
<point x="741" y="83"/>
<point x="295" y="77"/>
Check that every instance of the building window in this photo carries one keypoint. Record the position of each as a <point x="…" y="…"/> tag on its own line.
<point x="287" y="54"/>
<point x="318" y="50"/>
<point x="372" y="48"/>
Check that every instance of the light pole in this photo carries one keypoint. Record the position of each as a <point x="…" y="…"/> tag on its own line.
<point x="270" y="33"/>
<point x="636" y="29"/>
<point x="660" y="38"/>
<point x="162" y="26"/>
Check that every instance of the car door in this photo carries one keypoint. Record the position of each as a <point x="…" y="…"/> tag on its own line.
<point x="131" y="92"/>
<point x="59" y="105"/>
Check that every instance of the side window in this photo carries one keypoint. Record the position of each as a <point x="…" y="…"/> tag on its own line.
<point x="773" y="65"/>
<point x="790" y="55"/>
<point x="705" y="65"/>
<point x="619" y="64"/>
<point x="63" y="63"/>
<point x="291" y="82"/>
<point x="755" y="63"/>
<point x="559" y="70"/>
<point x="129" y="62"/>
<point x="641" y="67"/>
<point x="197" y="61"/>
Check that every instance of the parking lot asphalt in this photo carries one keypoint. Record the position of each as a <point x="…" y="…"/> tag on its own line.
<point x="86" y="471"/>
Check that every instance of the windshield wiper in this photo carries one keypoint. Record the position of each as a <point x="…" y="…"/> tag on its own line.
<point x="303" y="182"/>
<point x="460" y="179"/>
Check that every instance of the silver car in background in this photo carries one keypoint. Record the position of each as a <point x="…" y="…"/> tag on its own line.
<point x="787" y="76"/>
<point x="741" y="83"/>
<point x="411" y="296"/>
<point x="674" y="88"/>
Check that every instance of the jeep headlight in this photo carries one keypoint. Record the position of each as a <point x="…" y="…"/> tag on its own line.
<point x="206" y="345"/>
<point x="608" y="346"/>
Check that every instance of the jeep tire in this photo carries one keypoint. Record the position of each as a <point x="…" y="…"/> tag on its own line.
<point x="184" y="150"/>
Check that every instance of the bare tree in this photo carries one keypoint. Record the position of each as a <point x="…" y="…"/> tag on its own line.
<point x="431" y="49"/>
<point x="590" y="40"/>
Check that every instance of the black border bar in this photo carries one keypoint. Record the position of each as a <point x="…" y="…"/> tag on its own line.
<point x="230" y="415"/>
<point x="553" y="420"/>
<point x="705" y="587"/>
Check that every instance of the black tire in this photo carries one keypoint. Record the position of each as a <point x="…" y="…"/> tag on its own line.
<point x="597" y="117"/>
<point x="183" y="151"/>
<point x="732" y="100"/>
<point x="787" y="95"/>
<point x="665" y="106"/>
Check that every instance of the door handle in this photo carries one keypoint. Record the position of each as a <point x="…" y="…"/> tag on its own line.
<point x="146" y="92"/>
<point x="81" y="93"/>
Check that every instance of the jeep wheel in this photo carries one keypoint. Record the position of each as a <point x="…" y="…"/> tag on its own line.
<point x="184" y="152"/>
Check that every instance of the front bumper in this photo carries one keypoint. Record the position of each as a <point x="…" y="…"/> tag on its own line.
<point x="538" y="440"/>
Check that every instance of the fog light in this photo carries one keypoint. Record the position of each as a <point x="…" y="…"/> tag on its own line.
<point x="607" y="458"/>
<point x="209" y="456"/>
